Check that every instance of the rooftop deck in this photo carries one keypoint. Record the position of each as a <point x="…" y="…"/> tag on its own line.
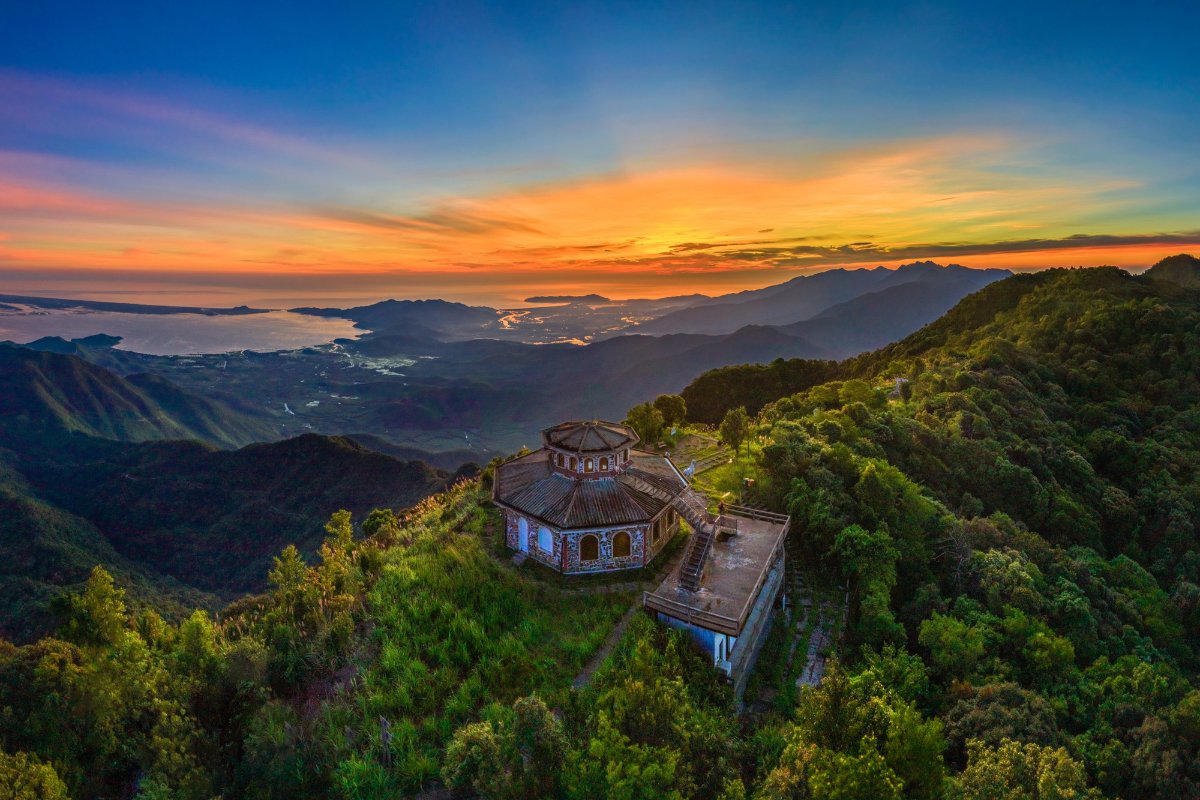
<point x="736" y="570"/>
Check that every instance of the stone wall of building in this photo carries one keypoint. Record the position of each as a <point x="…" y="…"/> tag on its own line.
<point x="510" y="529"/>
<point x="641" y="550"/>
<point x="607" y="561"/>
<point x="512" y="537"/>
<point x="755" y="631"/>
<point x="670" y="528"/>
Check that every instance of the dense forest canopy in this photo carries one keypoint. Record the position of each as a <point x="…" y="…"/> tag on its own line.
<point x="1011" y="495"/>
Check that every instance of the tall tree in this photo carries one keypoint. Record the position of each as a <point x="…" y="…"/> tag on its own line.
<point x="23" y="777"/>
<point x="672" y="407"/>
<point x="735" y="428"/>
<point x="646" y="421"/>
<point x="1015" y="771"/>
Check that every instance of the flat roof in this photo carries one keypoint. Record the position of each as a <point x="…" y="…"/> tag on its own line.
<point x="736" y="570"/>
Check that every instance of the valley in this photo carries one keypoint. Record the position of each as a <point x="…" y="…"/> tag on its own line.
<point x="444" y="377"/>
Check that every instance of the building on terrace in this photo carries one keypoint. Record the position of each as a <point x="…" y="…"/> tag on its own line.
<point x="725" y="591"/>
<point x="589" y="500"/>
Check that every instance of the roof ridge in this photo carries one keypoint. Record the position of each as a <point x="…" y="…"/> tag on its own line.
<point x="626" y="489"/>
<point x="572" y="497"/>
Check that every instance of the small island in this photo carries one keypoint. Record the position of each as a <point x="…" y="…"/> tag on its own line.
<point x="568" y="298"/>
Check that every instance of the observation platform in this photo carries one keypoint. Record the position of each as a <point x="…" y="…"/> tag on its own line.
<point x="734" y="575"/>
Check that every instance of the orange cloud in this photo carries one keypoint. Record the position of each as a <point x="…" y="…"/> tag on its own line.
<point x="711" y="226"/>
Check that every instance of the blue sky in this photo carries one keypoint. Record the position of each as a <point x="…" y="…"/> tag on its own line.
<point x="400" y="109"/>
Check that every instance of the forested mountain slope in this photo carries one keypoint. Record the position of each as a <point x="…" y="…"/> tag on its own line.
<point x="1015" y="526"/>
<point x="188" y="521"/>
<point x="48" y="393"/>
<point x="44" y="550"/>
<point x="1022" y="516"/>
<point x="100" y="469"/>
<point x="214" y="519"/>
<point x="1182" y="269"/>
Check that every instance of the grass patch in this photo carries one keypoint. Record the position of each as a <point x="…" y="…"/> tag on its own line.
<point x="454" y="630"/>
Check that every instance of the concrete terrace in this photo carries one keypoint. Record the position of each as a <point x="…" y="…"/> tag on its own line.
<point x="736" y="570"/>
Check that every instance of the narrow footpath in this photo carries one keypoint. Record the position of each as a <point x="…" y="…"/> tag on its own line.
<point x="614" y="636"/>
<point x="610" y="643"/>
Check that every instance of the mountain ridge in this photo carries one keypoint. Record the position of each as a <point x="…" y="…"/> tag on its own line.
<point x="47" y="391"/>
<point x="138" y="475"/>
<point x="807" y="296"/>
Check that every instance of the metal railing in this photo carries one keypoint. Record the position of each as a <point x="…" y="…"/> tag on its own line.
<point x="757" y="514"/>
<point x="692" y="616"/>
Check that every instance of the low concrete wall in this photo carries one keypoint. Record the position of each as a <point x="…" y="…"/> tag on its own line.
<point x="755" y="631"/>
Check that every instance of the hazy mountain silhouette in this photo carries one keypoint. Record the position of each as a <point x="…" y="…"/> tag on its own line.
<point x="807" y="296"/>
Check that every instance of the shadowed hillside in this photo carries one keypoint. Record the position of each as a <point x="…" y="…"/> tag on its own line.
<point x="100" y="469"/>
<point x="213" y="518"/>
<point x="49" y="393"/>
<point x="808" y="296"/>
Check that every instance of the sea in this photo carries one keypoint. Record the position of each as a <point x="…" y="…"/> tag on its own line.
<point x="177" y="334"/>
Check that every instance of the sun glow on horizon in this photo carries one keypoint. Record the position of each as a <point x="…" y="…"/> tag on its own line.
<point x="403" y="154"/>
<point x="641" y="229"/>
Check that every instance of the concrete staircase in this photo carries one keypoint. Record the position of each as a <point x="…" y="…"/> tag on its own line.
<point x="692" y="506"/>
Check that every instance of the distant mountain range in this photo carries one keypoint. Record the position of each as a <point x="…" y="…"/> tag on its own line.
<point x="568" y="298"/>
<point x="448" y="376"/>
<point x="805" y="297"/>
<point x="48" y="393"/>
<point x="797" y="300"/>
<point x="476" y="382"/>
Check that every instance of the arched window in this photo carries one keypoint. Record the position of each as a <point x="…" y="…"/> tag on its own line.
<point x="621" y="545"/>
<point x="545" y="541"/>
<point x="626" y="455"/>
<point x="523" y="535"/>
<point x="559" y="459"/>
<point x="604" y="463"/>
<point x="574" y="463"/>
<point x="589" y="548"/>
<point x="587" y="467"/>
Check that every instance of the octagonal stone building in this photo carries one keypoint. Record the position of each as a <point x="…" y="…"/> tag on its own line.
<point x="589" y="500"/>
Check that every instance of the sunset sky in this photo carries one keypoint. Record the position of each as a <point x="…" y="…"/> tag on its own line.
<point x="337" y="152"/>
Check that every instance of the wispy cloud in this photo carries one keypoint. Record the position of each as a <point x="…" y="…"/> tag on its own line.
<point x="444" y="220"/>
<point x="154" y="123"/>
<point x="860" y="252"/>
<point x="310" y="206"/>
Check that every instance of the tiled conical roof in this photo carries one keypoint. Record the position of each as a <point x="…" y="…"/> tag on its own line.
<point x="638" y="494"/>
<point x="593" y="436"/>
